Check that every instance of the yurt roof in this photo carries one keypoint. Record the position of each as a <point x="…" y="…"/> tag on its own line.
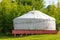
<point x="36" y="14"/>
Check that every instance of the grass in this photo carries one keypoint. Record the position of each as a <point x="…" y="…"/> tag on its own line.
<point x="33" y="37"/>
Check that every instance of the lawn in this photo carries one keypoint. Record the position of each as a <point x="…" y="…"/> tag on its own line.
<point x="33" y="37"/>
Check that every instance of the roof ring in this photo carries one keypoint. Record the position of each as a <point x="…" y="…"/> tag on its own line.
<point x="33" y="9"/>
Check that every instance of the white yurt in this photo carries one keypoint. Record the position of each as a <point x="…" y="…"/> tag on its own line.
<point x="34" y="20"/>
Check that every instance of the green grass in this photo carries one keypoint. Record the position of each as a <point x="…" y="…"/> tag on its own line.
<point x="33" y="37"/>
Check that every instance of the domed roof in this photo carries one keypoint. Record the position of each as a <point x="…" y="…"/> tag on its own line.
<point x="36" y="14"/>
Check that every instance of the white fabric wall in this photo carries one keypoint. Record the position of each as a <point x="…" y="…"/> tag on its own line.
<point x="34" y="24"/>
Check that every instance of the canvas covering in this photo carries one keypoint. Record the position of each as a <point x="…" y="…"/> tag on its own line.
<point x="34" y="20"/>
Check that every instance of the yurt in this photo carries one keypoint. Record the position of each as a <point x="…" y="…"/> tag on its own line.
<point x="34" y="22"/>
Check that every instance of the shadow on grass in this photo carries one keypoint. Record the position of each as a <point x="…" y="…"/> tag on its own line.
<point x="3" y="36"/>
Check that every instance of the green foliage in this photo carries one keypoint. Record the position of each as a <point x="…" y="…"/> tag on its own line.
<point x="54" y="11"/>
<point x="11" y="9"/>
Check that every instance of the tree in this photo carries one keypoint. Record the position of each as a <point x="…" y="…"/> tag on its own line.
<point x="10" y="9"/>
<point x="58" y="15"/>
<point x="37" y="4"/>
<point x="6" y="8"/>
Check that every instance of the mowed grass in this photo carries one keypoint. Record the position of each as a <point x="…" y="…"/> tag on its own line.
<point x="33" y="37"/>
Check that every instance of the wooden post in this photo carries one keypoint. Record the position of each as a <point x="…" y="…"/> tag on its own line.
<point x="14" y="35"/>
<point x="21" y="35"/>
